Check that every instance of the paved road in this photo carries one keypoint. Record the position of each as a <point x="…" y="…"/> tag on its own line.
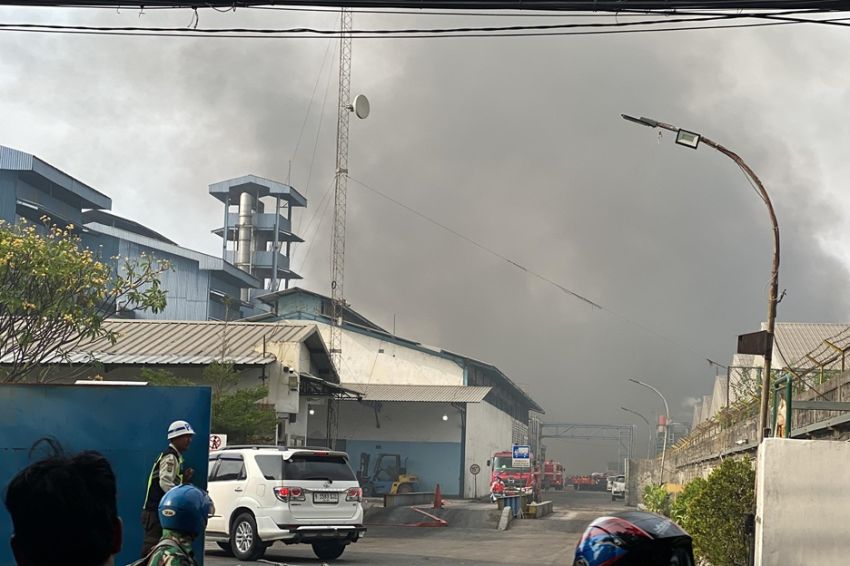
<point x="546" y="541"/>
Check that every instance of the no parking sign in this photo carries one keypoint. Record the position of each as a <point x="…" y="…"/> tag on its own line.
<point x="217" y="441"/>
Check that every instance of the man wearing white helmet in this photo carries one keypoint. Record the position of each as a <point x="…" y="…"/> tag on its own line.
<point x="166" y="473"/>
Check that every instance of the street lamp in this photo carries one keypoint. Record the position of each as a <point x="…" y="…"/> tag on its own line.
<point x="666" y="425"/>
<point x="648" y="425"/>
<point x="692" y="140"/>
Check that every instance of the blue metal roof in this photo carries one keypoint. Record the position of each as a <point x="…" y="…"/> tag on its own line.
<point x="14" y="160"/>
<point x="258" y="186"/>
<point x="205" y="262"/>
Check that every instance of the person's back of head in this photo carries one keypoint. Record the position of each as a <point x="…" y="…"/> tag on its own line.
<point x="185" y="509"/>
<point x="64" y="511"/>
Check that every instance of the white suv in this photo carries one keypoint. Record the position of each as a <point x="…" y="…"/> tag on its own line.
<point x="264" y="494"/>
<point x="618" y="488"/>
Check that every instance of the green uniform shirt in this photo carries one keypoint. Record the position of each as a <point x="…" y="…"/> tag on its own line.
<point x="172" y="556"/>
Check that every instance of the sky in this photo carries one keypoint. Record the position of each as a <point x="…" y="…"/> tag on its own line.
<point x="516" y="143"/>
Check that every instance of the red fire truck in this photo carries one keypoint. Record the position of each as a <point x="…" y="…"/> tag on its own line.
<point x="553" y="475"/>
<point x="505" y="480"/>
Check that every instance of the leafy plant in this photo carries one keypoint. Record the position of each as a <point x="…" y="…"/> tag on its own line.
<point x="681" y="509"/>
<point x="714" y="510"/>
<point x="55" y="295"/>
<point x="236" y="412"/>
<point x="656" y="499"/>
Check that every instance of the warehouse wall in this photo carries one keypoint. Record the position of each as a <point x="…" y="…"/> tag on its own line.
<point x="488" y="430"/>
<point x="416" y="431"/>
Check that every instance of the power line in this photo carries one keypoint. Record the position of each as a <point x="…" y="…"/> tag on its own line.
<point x="385" y="31"/>
<point x="559" y="286"/>
<point x="12" y="29"/>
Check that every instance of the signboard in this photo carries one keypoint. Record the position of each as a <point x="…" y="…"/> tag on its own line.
<point x="521" y="456"/>
<point x="474" y="469"/>
<point x="755" y="343"/>
<point x="218" y="441"/>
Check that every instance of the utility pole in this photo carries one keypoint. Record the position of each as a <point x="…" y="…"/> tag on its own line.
<point x="340" y="196"/>
<point x="692" y="140"/>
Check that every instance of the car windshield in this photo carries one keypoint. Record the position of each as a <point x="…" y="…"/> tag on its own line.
<point x="504" y="463"/>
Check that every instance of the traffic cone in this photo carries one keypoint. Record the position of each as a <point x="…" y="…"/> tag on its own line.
<point x="438" y="498"/>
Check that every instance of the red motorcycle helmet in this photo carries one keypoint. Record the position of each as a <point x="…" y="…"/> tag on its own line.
<point x="634" y="538"/>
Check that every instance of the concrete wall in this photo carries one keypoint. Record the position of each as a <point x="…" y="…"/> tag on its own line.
<point x="488" y="430"/>
<point x="803" y="506"/>
<point x="416" y="431"/>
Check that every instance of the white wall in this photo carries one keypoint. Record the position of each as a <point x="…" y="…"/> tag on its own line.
<point x="363" y="362"/>
<point x="488" y="430"/>
<point x="403" y="422"/>
<point x="803" y="502"/>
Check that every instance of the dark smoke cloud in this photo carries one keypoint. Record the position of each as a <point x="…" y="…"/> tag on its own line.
<point x="516" y="143"/>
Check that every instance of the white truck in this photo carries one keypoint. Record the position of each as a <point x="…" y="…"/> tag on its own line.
<point x="618" y="488"/>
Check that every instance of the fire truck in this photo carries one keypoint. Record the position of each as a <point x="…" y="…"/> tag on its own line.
<point x="553" y="475"/>
<point x="505" y="480"/>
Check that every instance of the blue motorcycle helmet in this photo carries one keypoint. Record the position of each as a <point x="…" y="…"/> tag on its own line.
<point x="634" y="538"/>
<point x="185" y="509"/>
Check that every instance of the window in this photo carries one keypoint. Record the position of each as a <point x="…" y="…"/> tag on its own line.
<point x="230" y="469"/>
<point x="316" y="467"/>
<point x="211" y="468"/>
<point x="270" y="466"/>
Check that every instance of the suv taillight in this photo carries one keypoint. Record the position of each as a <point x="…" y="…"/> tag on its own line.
<point x="286" y="494"/>
<point x="354" y="494"/>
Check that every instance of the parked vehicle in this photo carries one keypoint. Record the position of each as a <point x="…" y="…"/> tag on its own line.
<point x="618" y="488"/>
<point x="264" y="494"/>
<point x="553" y="475"/>
<point x="388" y="477"/>
<point x="514" y="481"/>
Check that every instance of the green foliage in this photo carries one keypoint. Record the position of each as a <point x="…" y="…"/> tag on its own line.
<point x="656" y="499"/>
<point x="236" y="412"/>
<point x="162" y="377"/>
<point x="682" y="505"/>
<point x="55" y="295"/>
<point x="714" y="510"/>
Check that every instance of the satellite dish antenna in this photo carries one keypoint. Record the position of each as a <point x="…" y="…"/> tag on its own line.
<point x="360" y="106"/>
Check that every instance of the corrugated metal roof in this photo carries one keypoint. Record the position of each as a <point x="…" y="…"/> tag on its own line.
<point x="797" y="339"/>
<point x="420" y="393"/>
<point x="165" y="342"/>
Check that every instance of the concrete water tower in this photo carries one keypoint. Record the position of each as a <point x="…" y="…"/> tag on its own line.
<point x="254" y="240"/>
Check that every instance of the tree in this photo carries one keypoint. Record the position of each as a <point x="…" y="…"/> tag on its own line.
<point x="55" y="295"/>
<point x="236" y="412"/>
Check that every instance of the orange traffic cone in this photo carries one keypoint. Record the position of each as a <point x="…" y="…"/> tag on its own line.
<point x="438" y="498"/>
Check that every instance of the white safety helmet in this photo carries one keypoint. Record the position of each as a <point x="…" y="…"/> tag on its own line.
<point x="179" y="428"/>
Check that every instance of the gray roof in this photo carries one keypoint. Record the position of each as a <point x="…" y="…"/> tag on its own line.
<point x="796" y="340"/>
<point x="14" y="160"/>
<point x="259" y="187"/>
<point x="166" y="342"/>
<point x="420" y="393"/>
<point x="205" y="262"/>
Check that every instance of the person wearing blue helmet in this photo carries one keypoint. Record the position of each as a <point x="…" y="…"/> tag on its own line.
<point x="183" y="513"/>
<point x="634" y="538"/>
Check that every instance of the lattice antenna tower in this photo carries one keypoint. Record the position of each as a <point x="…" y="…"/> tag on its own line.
<point x="360" y="106"/>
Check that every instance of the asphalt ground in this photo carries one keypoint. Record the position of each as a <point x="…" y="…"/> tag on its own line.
<point x="550" y="540"/>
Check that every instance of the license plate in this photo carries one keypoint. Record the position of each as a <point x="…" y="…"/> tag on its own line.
<point x="325" y="497"/>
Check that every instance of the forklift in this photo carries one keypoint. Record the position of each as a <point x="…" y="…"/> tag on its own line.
<point x="388" y="477"/>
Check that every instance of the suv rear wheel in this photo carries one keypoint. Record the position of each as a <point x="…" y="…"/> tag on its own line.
<point x="328" y="550"/>
<point x="244" y="542"/>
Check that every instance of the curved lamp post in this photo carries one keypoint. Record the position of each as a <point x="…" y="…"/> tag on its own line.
<point x="666" y="425"/>
<point x="692" y="140"/>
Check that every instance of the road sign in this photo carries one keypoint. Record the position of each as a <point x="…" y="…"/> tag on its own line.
<point x="521" y="456"/>
<point x="474" y="469"/>
<point x="218" y="441"/>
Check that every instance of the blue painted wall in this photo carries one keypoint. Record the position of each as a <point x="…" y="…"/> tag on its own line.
<point x="126" y="424"/>
<point x="431" y="462"/>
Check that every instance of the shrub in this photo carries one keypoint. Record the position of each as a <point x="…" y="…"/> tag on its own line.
<point x="656" y="499"/>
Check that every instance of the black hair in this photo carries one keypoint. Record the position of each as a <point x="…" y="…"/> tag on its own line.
<point x="64" y="509"/>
